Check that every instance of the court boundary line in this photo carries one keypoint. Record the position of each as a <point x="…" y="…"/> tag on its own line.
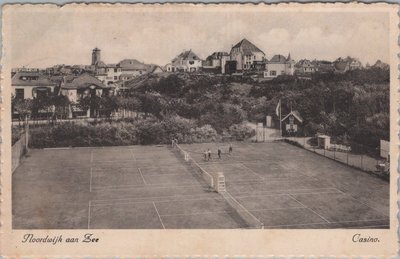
<point x="281" y="194"/>
<point x="150" y="201"/>
<point x="91" y="170"/>
<point x="266" y="180"/>
<point x="171" y="196"/>
<point x="130" y="160"/>
<point x="258" y="193"/>
<point x="133" y="155"/>
<point x="129" y="186"/>
<point x="324" y="223"/>
<point x="161" y="174"/>
<point x="275" y="180"/>
<point x="368" y="227"/>
<point x="191" y="214"/>
<point x="90" y="181"/>
<point x="159" y="217"/>
<point x="309" y="208"/>
<point x="362" y="203"/>
<point x="267" y="226"/>
<point x="89" y="215"/>
<point x="140" y="172"/>
<point x="224" y="212"/>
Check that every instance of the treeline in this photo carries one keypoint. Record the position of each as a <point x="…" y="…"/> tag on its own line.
<point x="350" y="107"/>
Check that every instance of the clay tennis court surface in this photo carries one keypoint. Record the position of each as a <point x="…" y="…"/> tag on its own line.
<point x="152" y="187"/>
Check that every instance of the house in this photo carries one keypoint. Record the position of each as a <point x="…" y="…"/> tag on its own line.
<point x="355" y="64"/>
<point x="81" y="86"/>
<point x="292" y="124"/>
<point x="108" y="73"/>
<point x="247" y="56"/>
<point x="343" y="65"/>
<point x="126" y="77"/>
<point x="323" y="66"/>
<point x="279" y="65"/>
<point x="154" y="69"/>
<point x="29" y="85"/>
<point x="187" y="61"/>
<point x="215" y="59"/>
<point x="78" y="87"/>
<point x="132" y="67"/>
<point x="381" y="65"/>
<point x="216" y="62"/>
<point x="304" y="66"/>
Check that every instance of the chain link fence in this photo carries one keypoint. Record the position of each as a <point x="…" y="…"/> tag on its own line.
<point x="359" y="156"/>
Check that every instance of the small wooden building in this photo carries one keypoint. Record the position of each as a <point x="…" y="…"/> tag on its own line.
<point x="292" y="124"/>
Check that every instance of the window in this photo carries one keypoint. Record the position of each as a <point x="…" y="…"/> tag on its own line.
<point x="191" y="62"/>
<point x="115" y="77"/>
<point x="19" y="93"/>
<point x="115" y="70"/>
<point x="272" y="73"/>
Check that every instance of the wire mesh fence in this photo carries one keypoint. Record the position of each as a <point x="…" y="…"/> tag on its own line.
<point x="355" y="155"/>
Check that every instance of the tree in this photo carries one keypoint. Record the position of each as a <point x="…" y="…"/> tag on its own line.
<point x="23" y="107"/>
<point x="61" y="104"/>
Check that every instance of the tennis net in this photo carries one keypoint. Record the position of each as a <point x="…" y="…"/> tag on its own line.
<point x="205" y="175"/>
<point x="250" y="220"/>
<point x="247" y="216"/>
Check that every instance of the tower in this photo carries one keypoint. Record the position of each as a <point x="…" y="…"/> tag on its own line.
<point x="95" y="56"/>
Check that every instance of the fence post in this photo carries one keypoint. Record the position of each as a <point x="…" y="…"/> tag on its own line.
<point x="347" y="157"/>
<point x="26" y="133"/>
<point x="334" y="153"/>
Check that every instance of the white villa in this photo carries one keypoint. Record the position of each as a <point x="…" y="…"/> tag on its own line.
<point x="279" y="65"/>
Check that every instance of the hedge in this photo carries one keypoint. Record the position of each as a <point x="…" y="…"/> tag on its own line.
<point x="143" y="132"/>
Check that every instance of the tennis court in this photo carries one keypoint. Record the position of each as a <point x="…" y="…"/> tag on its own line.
<point x="152" y="187"/>
<point x="284" y="186"/>
<point x="114" y="188"/>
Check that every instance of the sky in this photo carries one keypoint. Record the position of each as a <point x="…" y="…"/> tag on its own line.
<point x="44" y="37"/>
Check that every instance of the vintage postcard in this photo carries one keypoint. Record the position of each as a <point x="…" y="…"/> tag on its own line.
<point x="199" y="130"/>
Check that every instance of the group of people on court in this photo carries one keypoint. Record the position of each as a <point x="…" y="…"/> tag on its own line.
<point x="207" y="153"/>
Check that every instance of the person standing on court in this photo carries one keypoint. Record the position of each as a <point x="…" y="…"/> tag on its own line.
<point x="219" y="153"/>
<point x="230" y="148"/>
<point x="209" y="154"/>
<point x="205" y="155"/>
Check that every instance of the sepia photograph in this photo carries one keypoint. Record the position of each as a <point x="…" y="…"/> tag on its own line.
<point x="163" y="118"/>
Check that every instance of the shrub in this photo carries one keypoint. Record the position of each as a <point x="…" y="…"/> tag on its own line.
<point x="241" y="132"/>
